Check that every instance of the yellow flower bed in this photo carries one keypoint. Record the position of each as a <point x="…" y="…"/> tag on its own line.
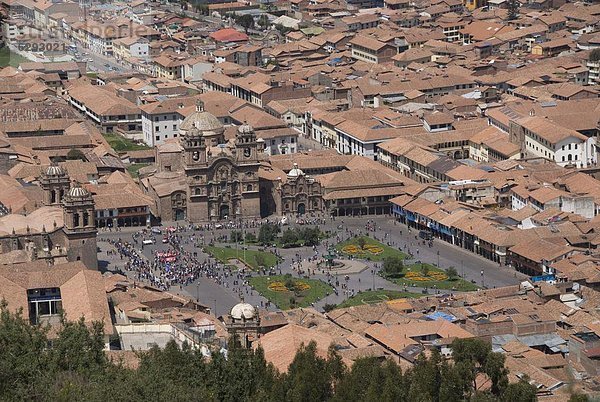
<point x="432" y="276"/>
<point x="278" y="286"/>
<point x="371" y="248"/>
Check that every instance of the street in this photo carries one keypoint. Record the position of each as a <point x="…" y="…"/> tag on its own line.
<point x="224" y="289"/>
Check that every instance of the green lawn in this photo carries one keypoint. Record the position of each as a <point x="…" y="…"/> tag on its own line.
<point x="135" y="167"/>
<point x="122" y="144"/>
<point x="287" y="299"/>
<point x="387" y="250"/>
<point x="224" y="254"/>
<point x="377" y="296"/>
<point x="8" y="58"/>
<point x="456" y="284"/>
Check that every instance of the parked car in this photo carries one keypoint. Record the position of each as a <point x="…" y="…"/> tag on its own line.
<point x="148" y="242"/>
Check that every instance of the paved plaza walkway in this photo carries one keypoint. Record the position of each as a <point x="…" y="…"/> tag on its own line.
<point x="222" y="293"/>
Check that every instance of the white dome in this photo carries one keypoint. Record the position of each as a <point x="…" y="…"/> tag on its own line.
<point x="243" y="311"/>
<point x="245" y="128"/>
<point x="202" y="120"/>
<point x="78" y="192"/>
<point x="295" y="172"/>
<point x="54" y="170"/>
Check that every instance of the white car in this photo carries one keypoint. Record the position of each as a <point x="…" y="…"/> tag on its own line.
<point x="148" y="242"/>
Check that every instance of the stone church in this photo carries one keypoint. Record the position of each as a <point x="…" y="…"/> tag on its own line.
<point x="205" y="177"/>
<point x="62" y="230"/>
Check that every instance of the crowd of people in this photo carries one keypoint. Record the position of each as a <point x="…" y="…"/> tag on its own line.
<point x="180" y="262"/>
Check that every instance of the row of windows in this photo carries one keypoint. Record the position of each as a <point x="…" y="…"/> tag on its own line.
<point x="157" y="128"/>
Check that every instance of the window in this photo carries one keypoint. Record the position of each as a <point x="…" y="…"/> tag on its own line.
<point x="249" y="187"/>
<point x="156" y="129"/>
<point x="174" y="126"/>
<point x="157" y="138"/>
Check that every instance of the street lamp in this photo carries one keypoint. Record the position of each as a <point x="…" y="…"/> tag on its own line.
<point x="373" y="272"/>
<point x="482" y="279"/>
<point x="438" y="256"/>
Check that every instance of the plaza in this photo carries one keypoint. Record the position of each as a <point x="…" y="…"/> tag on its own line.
<point x="220" y="287"/>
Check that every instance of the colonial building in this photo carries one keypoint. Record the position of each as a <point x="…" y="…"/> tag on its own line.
<point x="205" y="177"/>
<point x="61" y="230"/>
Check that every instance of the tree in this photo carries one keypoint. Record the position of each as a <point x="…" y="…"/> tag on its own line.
<point x="250" y="237"/>
<point x="579" y="398"/>
<point x="236" y="236"/>
<point x="513" y="9"/>
<point x="289" y="237"/>
<point x="260" y="260"/>
<point x="452" y="273"/>
<point x="425" y="269"/>
<point x="263" y="21"/>
<point x="309" y="377"/>
<point x="246" y="21"/>
<point x="393" y="266"/>
<point x="74" y="154"/>
<point x="475" y="356"/>
<point x="361" y="242"/>
<point x="520" y="391"/>
<point x="267" y="233"/>
<point x="329" y="307"/>
<point x="595" y="55"/>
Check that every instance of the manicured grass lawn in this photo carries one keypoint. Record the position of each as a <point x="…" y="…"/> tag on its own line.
<point x="122" y="144"/>
<point x="456" y="284"/>
<point x="283" y="299"/>
<point x="224" y="254"/>
<point x="387" y="250"/>
<point x="8" y="58"/>
<point x="377" y="296"/>
<point x="135" y="167"/>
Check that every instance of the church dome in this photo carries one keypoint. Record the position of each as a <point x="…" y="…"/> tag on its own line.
<point x="202" y="120"/>
<point x="245" y="129"/>
<point x="243" y="311"/>
<point x="78" y="192"/>
<point x="295" y="172"/>
<point x="54" y="170"/>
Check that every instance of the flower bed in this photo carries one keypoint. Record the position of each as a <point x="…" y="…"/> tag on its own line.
<point x="432" y="276"/>
<point x="368" y="248"/>
<point x="279" y="286"/>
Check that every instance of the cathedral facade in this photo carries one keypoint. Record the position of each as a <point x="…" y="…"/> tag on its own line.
<point x="204" y="177"/>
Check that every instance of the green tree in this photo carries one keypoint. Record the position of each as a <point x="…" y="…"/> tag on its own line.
<point x="452" y="273"/>
<point x="23" y="358"/>
<point x="79" y="348"/>
<point x="329" y="307"/>
<point x="393" y="266"/>
<point x="520" y="391"/>
<point x="361" y="242"/>
<point x="426" y="378"/>
<point x="579" y="398"/>
<point x="260" y="260"/>
<point x="263" y="21"/>
<point x="267" y="233"/>
<point x="236" y="236"/>
<point x="595" y="55"/>
<point x="289" y="237"/>
<point x="475" y="356"/>
<point x="425" y="269"/>
<point x="250" y="237"/>
<point x="309" y="377"/>
<point x="246" y="21"/>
